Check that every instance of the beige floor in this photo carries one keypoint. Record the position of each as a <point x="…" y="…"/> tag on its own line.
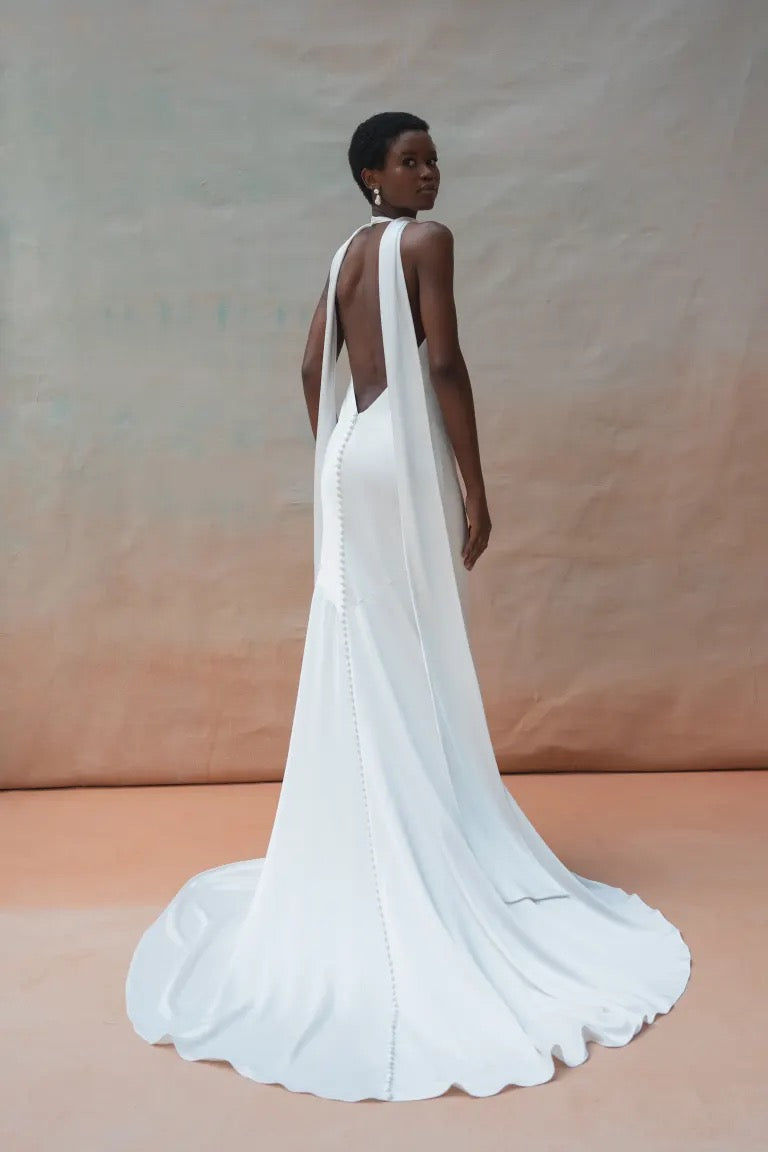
<point x="82" y="871"/>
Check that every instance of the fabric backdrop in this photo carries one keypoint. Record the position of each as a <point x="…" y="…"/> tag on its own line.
<point x="174" y="184"/>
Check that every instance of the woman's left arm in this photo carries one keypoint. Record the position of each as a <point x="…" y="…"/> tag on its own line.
<point x="312" y="364"/>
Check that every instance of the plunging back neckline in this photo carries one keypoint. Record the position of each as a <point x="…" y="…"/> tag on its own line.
<point x="386" y="220"/>
<point x="358" y="412"/>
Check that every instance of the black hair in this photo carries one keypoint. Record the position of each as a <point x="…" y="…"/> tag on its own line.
<point x="371" y="140"/>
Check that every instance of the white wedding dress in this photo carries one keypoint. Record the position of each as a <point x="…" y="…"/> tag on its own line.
<point x="408" y="929"/>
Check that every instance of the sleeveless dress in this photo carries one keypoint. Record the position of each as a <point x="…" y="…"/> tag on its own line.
<point x="408" y="929"/>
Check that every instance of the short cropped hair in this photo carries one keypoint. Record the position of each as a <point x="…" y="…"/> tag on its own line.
<point x="371" y="140"/>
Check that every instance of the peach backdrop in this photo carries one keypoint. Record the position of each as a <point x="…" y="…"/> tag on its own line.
<point x="174" y="185"/>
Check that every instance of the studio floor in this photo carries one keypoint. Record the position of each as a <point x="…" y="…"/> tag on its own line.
<point x="84" y="871"/>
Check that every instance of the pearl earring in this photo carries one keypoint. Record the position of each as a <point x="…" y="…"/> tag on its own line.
<point x="376" y="197"/>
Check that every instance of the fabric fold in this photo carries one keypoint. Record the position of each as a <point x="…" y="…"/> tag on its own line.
<point x="503" y="839"/>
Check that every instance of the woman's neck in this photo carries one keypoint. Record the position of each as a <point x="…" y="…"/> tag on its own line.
<point x="380" y="218"/>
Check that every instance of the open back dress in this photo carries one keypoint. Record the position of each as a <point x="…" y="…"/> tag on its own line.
<point x="408" y="929"/>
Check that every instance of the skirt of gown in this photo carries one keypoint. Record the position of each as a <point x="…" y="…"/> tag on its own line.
<point x="367" y="955"/>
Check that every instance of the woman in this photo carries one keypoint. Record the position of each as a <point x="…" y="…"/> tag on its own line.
<point x="408" y="929"/>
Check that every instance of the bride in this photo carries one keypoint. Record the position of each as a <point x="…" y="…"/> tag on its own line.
<point x="408" y="929"/>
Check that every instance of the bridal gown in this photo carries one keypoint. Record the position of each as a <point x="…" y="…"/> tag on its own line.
<point x="408" y="929"/>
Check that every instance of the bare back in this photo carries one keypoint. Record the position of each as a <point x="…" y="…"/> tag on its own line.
<point x="358" y="313"/>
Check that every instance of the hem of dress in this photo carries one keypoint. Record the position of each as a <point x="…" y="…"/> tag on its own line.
<point x="466" y="1084"/>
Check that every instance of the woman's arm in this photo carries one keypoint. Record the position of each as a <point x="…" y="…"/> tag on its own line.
<point x="433" y="255"/>
<point x="312" y="364"/>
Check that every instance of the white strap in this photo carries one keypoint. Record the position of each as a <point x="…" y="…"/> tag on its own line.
<point x="326" y="413"/>
<point x="511" y="852"/>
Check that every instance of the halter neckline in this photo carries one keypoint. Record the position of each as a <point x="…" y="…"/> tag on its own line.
<point x="388" y="219"/>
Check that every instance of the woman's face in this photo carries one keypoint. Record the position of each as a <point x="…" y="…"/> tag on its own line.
<point x="410" y="177"/>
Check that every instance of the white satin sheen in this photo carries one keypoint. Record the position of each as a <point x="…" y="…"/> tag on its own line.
<point x="408" y="929"/>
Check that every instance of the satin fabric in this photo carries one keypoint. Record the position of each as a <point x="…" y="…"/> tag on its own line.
<point x="408" y="929"/>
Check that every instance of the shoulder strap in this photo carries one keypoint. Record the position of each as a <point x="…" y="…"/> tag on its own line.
<point x="508" y="847"/>
<point x="326" y="414"/>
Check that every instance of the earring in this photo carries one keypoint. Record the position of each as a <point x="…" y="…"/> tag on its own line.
<point x="376" y="197"/>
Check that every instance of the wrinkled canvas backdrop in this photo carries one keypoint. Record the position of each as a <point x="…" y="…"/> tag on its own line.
<point x="174" y="185"/>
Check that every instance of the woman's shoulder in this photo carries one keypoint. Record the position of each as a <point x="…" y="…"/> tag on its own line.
<point x="427" y="237"/>
<point x="429" y="230"/>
